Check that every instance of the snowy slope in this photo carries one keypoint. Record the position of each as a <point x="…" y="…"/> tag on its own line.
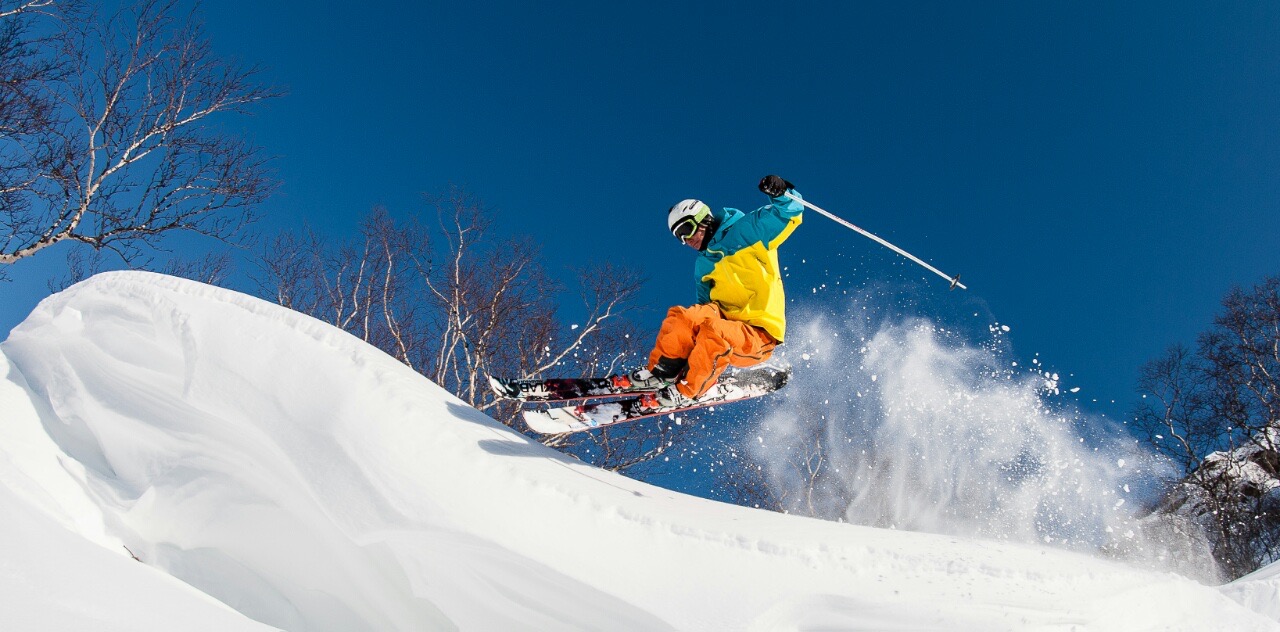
<point x="309" y="482"/>
<point x="1259" y="590"/>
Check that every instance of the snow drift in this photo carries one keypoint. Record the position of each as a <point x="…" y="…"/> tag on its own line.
<point x="309" y="482"/>
<point x="922" y="431"/>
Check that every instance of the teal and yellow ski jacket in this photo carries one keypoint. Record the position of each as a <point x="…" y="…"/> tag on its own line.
<point x="739" y="271"/>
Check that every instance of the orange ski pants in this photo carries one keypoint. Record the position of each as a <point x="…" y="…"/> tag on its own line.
<point x="711" y="343"/>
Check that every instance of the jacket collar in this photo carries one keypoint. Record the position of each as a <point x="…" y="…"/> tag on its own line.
<point x="727" y="217"/>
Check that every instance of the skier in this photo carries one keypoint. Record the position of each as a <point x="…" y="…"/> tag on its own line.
<point x="739" y="317"/>
<point x="738" y="321"/>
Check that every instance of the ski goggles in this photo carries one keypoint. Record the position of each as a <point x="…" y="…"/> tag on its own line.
<point x="685" y="228"/>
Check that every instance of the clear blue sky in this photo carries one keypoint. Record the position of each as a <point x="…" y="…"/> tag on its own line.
<point x="1099" y="173"/>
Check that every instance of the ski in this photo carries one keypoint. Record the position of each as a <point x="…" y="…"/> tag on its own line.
<point x="589" y="416"/>
<point x="564" y="389"/>
<point x="559" y="390"/>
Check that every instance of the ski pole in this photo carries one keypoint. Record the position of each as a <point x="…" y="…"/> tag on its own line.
<point x="955" y="280"/>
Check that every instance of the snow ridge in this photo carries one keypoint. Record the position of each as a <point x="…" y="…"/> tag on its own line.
<point x="309" y="482"/>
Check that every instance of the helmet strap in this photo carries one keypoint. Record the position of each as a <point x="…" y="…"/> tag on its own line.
<point x="712" y="225"/>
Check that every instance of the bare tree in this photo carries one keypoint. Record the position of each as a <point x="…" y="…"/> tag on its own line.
<point x="292" y="270"/>
<point x="496" y="311"/>
<point x="362" y="286"/>
<point x="623" y="446"/>
<point x="492" y="306"/>
<point x="215" y="268"/>
<point x="457" y="305"/>
<point x="1215" y="413"/>
<point x="748" y="485"/>
<point x="119" y="151"/>
<point x="28" y="69"/>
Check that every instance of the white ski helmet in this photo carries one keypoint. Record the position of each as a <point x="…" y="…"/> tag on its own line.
<point x="683" y="218"/>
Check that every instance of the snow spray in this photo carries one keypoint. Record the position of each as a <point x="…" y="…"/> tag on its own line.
<point x="903" y="425"/>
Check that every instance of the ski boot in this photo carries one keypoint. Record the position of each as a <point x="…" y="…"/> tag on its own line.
<point x="664" y="373"/>
<point x="670" y="397"/>
<point x="643" y="380"/>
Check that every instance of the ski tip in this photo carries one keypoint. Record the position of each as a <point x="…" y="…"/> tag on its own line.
<point x="771" y="377"/>
<point x="554" y="421"/>
<point x="536" y="420"/>
<point x="539" y="422"/>
<point x="774" y="364"/>
<point x="499" y="387"/>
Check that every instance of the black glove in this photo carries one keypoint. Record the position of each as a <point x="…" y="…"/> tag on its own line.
<point x="774" y="186"/>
